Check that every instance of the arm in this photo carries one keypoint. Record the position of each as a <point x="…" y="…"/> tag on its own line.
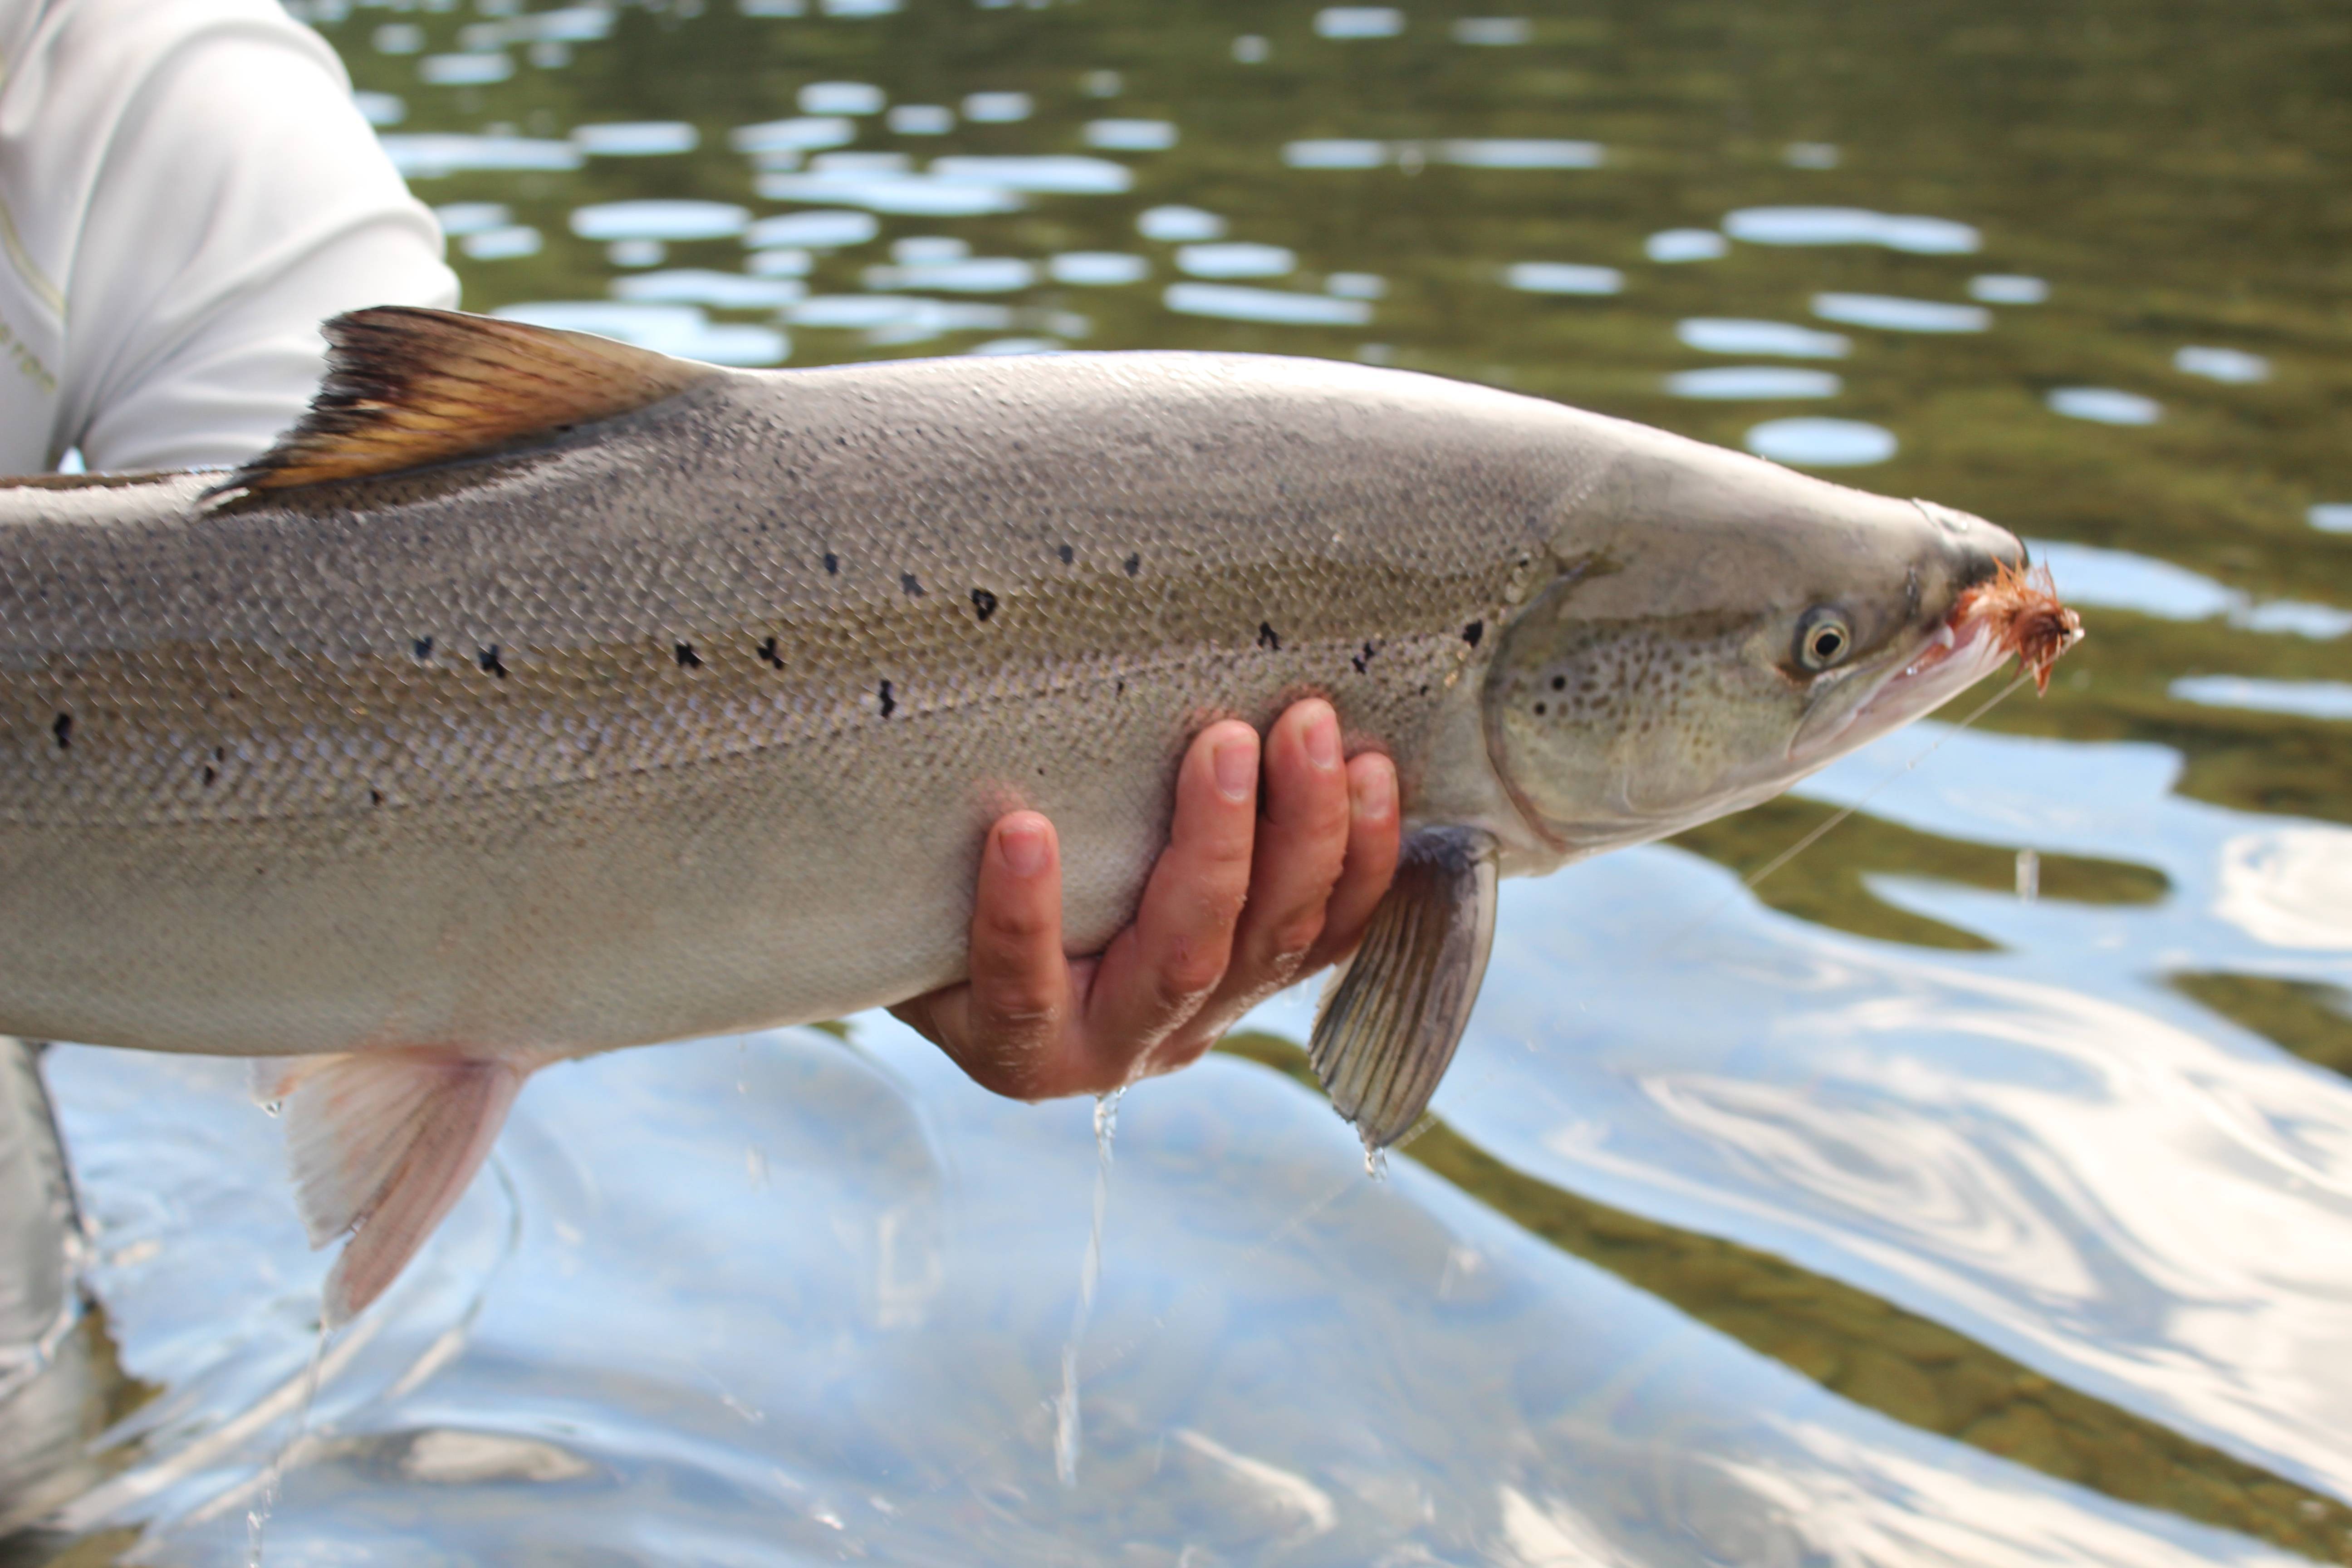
<point x="231" y="198"/>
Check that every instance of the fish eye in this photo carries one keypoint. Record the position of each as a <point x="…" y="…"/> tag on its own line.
<point x="1824" y="639"/>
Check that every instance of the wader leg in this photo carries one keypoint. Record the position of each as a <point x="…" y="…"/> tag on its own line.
<point x="40" y="1231"/>
<point x="60" y="1380"/>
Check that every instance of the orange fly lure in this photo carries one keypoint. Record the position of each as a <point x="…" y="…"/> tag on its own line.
<point x="2022" y="610"/>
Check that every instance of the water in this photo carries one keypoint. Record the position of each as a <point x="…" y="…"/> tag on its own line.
<point x="1067" y="1438"/>
<point x="1976" y="1188"/>
<point x="257" y="1518"/>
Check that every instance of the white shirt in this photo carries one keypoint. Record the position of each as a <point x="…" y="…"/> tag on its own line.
<point x="187" y="191"/>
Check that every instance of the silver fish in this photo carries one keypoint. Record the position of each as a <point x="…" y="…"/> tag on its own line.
<point x="539" y="696"/>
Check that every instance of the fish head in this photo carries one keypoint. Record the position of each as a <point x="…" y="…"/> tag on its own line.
<point x="1708" y="628"/>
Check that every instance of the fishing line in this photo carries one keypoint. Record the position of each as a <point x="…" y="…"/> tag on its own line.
<point x="1352" y="1182"/>
<point x="1810" y="838"/>
<point x="1821" y="829"/>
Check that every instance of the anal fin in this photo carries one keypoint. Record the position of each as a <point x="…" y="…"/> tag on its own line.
<point x="383" y="1143"/>
<point x="1389" y="1020"/>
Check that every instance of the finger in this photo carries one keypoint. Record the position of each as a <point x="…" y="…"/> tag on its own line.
<point x="1005" y="1024"/>
<point x="1302" y="841"/>
<point x="1374" y="826"/>
<point x="1158" y="971"/>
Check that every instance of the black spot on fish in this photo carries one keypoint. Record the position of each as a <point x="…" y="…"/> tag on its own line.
<point x="1472" y="632"/>
<point x="209" y="777"/>
<point x="686" y="657"/>
<point x="1559" y="683"/>
<point x="1267" y="637"/>
<point x="890" y="703"/>
<point x="832" y="564"/>
<point x="1539" y="710"/>
<point x="1068" y="554"/>
<point x="376" y="797"/>
<point x="1122" y="689"/>
<point x="906" y="581"/>
<point x="983" y="603"/>
<point x="490" y="661"/>
<point x="422" y="647"/>
<point x="220" y="754"/>
<point x="1134" y="565"/>
<point x="1363" y="662"/>
<point x="63" y="730"/>
<point x="768" y="656"/>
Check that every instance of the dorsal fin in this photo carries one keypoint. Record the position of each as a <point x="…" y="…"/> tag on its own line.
<point x="406" y="387"/>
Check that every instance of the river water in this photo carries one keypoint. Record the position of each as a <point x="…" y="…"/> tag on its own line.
<point x="1977" y="1189"/>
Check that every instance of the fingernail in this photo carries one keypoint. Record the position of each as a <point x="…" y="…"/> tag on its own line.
<point x="1023" y="844"/>
<point x="1323" y="740"/>
<point x="1375" y="793"/>
<point x="1236" y="768"/>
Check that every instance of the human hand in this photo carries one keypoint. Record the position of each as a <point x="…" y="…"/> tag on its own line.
<point x="1238" y="907"/>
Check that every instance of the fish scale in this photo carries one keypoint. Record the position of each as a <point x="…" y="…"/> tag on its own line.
<point x="538" y="696"/>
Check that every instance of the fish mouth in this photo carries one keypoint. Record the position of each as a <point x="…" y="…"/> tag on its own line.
<point x="1964" y="649"/>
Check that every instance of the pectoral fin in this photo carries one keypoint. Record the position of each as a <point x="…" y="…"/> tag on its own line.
<point x="383" y="1143"/>
<point x="1390" y="1018"/>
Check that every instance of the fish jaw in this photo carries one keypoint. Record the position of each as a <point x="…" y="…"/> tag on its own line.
<point x="1960" y="652"/>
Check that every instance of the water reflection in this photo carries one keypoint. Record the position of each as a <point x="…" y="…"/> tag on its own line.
<point x="670" y="329"/>
<point x="1236" y="258"/>
<point x="1130" y="135"/>
<point x="433" y="156"/>
<point x="1177" y="224"/>
<point x="1754" y="381"/>
<point x="1272" y="307"/>
<point x="1098" y="268"/>
<point x="2033" y="1141"/>
<point x="2105" y="405"/>
<point x="816" y="230"/>
<point x="1720" y="335"/>
<point x="1452" y="1388"/>
<point x="1889" y="314"/>
<point x="2121" y="580"/>
<point x="1851" y="225"/>
<point x="636" y="139"/>
<point x="2234" y="366"/>
<point x="1821" y="443"/>
<point x="1679" y="244"/>
<point x="1563" y="277"/>
<point x="2008" y="289"/>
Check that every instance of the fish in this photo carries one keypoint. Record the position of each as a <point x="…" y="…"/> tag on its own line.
<point x="538" y="695"/>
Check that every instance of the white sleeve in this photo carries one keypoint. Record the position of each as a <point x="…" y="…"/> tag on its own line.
<point x="241" y="200"/>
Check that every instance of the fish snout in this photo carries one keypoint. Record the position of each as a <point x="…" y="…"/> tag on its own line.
<point x="1969" y="549"/>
